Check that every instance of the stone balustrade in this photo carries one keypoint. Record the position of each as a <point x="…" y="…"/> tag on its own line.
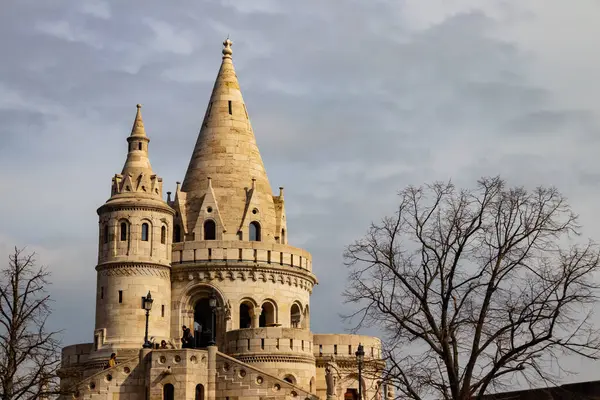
<point x="241" y="251"/>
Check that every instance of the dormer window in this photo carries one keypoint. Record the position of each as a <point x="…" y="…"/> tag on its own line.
<point x="210" y="230"/>
<point x="254" y="231"/>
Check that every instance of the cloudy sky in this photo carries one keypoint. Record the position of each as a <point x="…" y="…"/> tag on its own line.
<point x="350" y="102"/>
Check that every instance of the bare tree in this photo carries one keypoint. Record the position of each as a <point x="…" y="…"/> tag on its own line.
<point x="29" y="356"/>
<point x="474" y="289"/>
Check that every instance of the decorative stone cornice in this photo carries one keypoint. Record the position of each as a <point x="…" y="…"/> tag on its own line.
<point x="221" y="272"/>
<point x="119" y="206"/>
<point x="133" y="269"/>
<point x="260" y="358"/>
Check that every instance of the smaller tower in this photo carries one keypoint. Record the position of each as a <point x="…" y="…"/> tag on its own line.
<point x="134" y="253"/>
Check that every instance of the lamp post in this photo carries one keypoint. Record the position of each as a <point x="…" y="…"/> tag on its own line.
<point x="147" y="305"/>
<point x="360" y="358"/>
<point x="212" y="302"/>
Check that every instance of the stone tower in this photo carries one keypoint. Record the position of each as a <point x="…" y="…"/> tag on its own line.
<point x="216" y="259"/>
<point x="231" y="241"/>
<point x="134" y="253"/>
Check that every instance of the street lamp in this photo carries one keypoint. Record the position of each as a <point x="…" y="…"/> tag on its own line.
<point x="147" y="305"/>
<point x="212" y="303"/>
<point x="360" y="359"/>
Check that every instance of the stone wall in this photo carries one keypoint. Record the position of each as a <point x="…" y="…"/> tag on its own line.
<point x="242" y="250"/>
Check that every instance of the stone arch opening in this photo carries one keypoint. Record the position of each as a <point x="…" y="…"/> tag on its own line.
<point x="168" y="392"/>
<point x="210" y="230"/>
<point x="196" y="314"/>
<point x="246" y="311"/>
<point x="289" y="378"/>
<point x="268" y="315"/>
<point x="199" y="392"/>
<point x="254" y="232"/>
<point x="295" y="315"/>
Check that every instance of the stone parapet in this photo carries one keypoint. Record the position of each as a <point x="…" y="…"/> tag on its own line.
<point x="270" y="342"/>
<point x="241" y="251"/>
<point x="75" y="354"/>
<point x="342" y="346"/>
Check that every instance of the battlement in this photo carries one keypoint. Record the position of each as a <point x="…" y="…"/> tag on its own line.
<point x="75" y="354"/>
<point x="341" y="346"/>
<point x="241" y="251"/>
<point x="270" y="341"/>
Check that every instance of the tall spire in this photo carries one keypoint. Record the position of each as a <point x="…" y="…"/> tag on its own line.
<point x="137" y="178"/>
<point x="226" y="151"/>
<point x="137" y="154"/>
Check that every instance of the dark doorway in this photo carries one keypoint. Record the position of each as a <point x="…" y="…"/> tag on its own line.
<point x="351" y="394"/>
<point x="202" y="323"/>
<point x="168" y="392"/>
<point x="199" y="392"/>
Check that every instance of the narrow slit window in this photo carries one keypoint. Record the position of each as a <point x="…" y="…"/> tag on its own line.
<point x="240" y="255"/>
<point x="162" y="310"/>
<point x="163" y="235"/>
<point x="335" y="349"/>
<point x="139" y="145"/>
<point x="123" y="231"/>
<point x="101" y="292"/>
<point x="120" y="296"/>
<point x="105" y="233"/>
<point x="229" y="105"/>
<point x="262" y="344"/>
<point x="145" y="232"/>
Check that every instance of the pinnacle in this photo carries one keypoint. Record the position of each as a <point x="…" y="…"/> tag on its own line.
<point x="138" y="123"/>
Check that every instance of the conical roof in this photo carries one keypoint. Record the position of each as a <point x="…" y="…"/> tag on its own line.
<point x="226" y="151"/>
<point x="137" y="153"/>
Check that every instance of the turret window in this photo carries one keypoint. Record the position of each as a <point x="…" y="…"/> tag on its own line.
<point x="283" y="236"/>
<point x="123" y="231"/>
<point x="254" y="231"/>
<point x="210" y="230"/>
<point x="177" y="234"/>
<point x="229" y="104"/>
<point x="139" y="145"/>
<point x="105" y="233"/>
<point x="163" y="234"/>
<point x="145" y="232"/>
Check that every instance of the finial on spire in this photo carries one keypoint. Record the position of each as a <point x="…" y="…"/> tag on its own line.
<point x="227" y="52"/>
<point x="138" y="123"/>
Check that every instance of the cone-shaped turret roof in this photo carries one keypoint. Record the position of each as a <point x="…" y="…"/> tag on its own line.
<point x="137" y="155"/>
<point x="226" y="151"/>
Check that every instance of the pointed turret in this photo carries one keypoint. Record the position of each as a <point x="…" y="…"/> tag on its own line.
<point x="226" y="151"/>
<point x="137" y="177"/>
<point x="137" y="155"/>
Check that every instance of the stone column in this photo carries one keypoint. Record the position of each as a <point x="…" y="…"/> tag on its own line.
<point x="256" y="317"/>
<point x="211" y="389"/>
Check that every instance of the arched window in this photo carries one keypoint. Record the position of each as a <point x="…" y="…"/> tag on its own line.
<point x="145" y="232"/>
<point x="123" y="231"/>
<point x="283" y="236"/>
<point x="105" y="233"/>
<point x="245" y="319"/>
<point x="210" y="230"/>
<point x="177" y="234"/>
<point x="254" y="231"/>
<point x="199" y="392"/>
<point x="267" y="316"/>
<point x="290" y="379"/>
<point x="295" y="316"/>
<point x="163" y="234"/>
<point x="168" y="392"/>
